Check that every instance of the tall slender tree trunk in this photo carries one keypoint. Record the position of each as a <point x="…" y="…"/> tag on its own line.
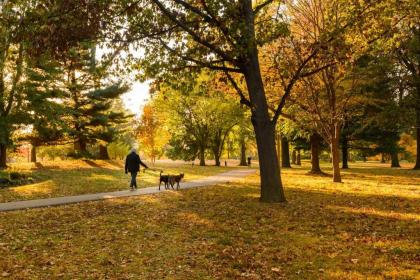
<point x="395" y="162"/>
<point x="417" y="166"/>
<point x="80" y="146"/>
<point x="294" y="156"/>
<point x="345" y="152"/>
<point x="216" y="157"/>
<point x="103" y="152"/>
<point x="3" y="156"/>
<point x="298" y="158"/>
<point x="278" y="147"/>
<point x="243" y="153"/>
<point x="335" y="153"/>
<point x="315" y="143"/>
<point x="202" y="156"/>
<point x="33" y="153"/>
<point x="285" y="153"/>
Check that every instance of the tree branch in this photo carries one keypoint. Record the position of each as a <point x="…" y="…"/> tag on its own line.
<point x="244" y="100"/>
<point x="261" y="6"/>
<point x="194" y="35"/>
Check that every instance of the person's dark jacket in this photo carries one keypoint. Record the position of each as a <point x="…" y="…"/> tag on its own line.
<point x="133" y="162"/>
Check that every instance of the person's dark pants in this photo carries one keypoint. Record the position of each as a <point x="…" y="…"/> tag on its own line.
<point x="133" y="183"/>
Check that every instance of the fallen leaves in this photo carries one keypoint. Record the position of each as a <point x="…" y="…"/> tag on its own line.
<point x="220" y="232"/>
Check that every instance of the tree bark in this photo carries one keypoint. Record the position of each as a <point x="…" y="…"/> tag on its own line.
<point x="315" y="143"/>
<point x="103" y="152"/>
<point x="285" y="153"/>
<point x="298" y="158"/>
<point x="271" y="185"/>
<point x="3" y="156"/>
<point x="335" y="154"/>
<point x="294" y="156"/>
<point x="202" y="156"/>
<point x="33" y="153"/>
<point x="345" y="152"/>
<point x="264" y="127"/>
<point x="243" y="153"/>
<point x="216" y="157"/>
<point x="394" y="160"/>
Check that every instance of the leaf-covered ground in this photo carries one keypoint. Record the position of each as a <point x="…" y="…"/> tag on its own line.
<point x="365" y="228"/>
<point x="64" y="178"/>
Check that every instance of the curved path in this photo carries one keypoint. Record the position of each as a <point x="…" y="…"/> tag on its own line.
<point x="47" y="202"/>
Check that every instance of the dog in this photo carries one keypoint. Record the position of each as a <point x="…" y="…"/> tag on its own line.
<point x="175" y="179"/>
<point x="164" y="179"/>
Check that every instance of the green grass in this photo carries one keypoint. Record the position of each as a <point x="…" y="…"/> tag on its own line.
<point x="366" y="228"/>
<point x="63" y="178"/>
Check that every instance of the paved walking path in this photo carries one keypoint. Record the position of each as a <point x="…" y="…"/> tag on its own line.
<point x="207" y="181"/>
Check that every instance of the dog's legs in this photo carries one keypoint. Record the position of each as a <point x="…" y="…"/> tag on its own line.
<point x="160" y="184"/>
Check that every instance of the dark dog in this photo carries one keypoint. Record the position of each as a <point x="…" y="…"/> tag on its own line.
<point x="175" y="179"/>
<point x="164" y="179"/>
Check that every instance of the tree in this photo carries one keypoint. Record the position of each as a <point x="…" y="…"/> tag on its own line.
<point x="12" y="56"/>
<point x="90" y="94"/>
<point x="199" y="117"/>
<point x="408" y="54"/>
<point x="150" y="134"/>
<point x="43" y="103"/>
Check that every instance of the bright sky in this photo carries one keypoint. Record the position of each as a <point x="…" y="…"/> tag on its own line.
<point x="137" y="97"/>
<point x="139" y="93"/>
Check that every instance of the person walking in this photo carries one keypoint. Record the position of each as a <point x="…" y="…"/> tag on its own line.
<point x="132" y="165"/>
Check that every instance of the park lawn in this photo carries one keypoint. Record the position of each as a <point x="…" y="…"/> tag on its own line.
<point x="366" y="228"/>
<point x="74" y="177"/>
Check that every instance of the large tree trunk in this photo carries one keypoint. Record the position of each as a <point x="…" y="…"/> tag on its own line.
<point x="271" y="185"/>
<point x="202" y="156"/>
<point x="394" y="159"/>
<point x="315" y="143"/>
<point x="298" y="158"/>
<point x="3" y="156"/>
<point x="345" y="152"/>
<point x="335" y="154"/>
<point x="264" y="127"/>
<point x="33" y="153"/>
<point x="285" y="153"/>
<point x="243" y="153"/>
<point x="294" y="156"/>
<point x="103" y="152"/>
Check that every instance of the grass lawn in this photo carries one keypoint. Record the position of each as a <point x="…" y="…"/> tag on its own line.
<point x="366" y="228"/>
<point x="63" y="178"/>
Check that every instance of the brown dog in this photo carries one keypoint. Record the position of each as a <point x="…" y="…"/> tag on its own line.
<point x="164" y="179"/>
<point x="175" y="179"/>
